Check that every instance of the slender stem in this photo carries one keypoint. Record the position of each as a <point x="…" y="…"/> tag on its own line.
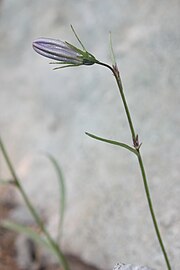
<point x="38" y="220"/>
<point x="152" y="210"/>
<point x="115" y="72"/>
<point x="120" y="87"/>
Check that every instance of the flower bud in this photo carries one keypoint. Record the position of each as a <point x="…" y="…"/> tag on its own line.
<point x="63" y="52"/>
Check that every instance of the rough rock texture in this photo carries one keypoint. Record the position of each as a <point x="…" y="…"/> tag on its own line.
<point x="107" y="217"/>
<point x="122" y="266"/>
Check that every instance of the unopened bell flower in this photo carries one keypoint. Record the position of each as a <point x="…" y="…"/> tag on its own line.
<point x="63" y="52"/>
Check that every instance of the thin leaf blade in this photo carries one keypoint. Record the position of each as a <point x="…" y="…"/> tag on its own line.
<point x="18" y="228"/>
<point x="62" y="192"/>
<point x="126" y="146"/>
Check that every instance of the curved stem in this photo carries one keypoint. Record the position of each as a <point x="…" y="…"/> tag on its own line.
<point x="136" y="144"/>
<point x="120" y="87"/>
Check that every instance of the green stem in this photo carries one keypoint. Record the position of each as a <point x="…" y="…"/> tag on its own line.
<point x="152" y="211"/>
<point x="115" y="72"/>
<point x="120" y="87"/>
<point x="38" y="220"/>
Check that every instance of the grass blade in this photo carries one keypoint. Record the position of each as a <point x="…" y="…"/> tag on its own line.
<point x="62" y="193"/>
<point x="18" y="228"/>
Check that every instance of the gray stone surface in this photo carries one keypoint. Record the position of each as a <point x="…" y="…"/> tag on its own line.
<point x="122" y="266"/>
<point x="107" y="217"/>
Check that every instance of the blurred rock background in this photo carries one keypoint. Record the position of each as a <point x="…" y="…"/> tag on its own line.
<point x="107" y="217"/>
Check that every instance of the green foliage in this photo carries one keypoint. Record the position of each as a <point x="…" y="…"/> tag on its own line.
<point x="38" y="238"/>
<point x="126" y="146"/>
<point x="62" y="193"/>
<point x="47" y="240"/>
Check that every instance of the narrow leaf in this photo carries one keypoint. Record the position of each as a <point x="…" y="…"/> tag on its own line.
<point x="6" y="182"/>
<point x="28" y="232"/>
<point x="112" y="142"/>
<point x="62" y="192"/>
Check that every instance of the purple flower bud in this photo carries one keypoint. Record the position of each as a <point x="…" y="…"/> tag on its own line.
<point x="58" y="50"/>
